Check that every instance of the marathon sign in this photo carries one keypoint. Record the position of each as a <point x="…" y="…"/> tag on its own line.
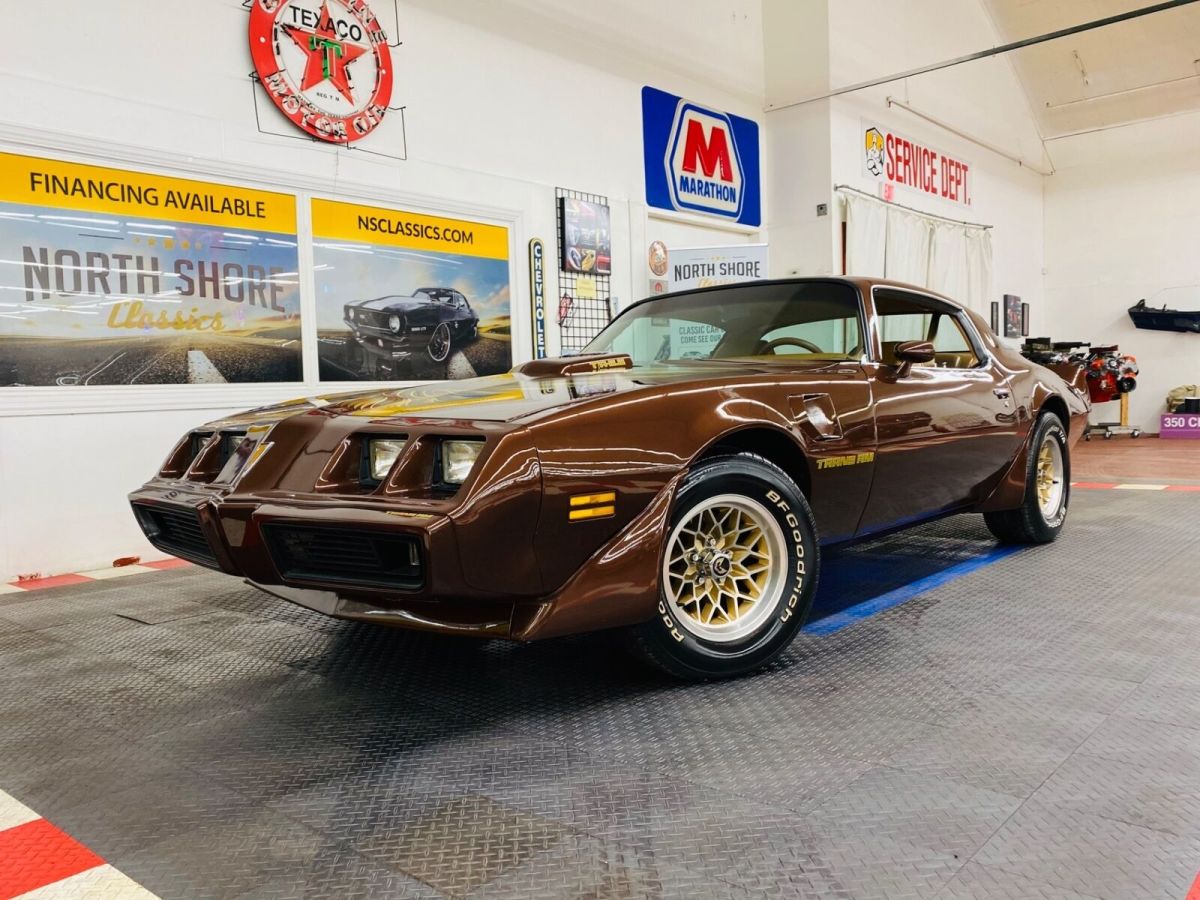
<point x="899" y="161"/>
<point x="700" y="160"/>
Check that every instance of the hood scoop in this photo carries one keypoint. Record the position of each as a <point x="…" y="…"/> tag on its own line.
<point x="575" y="365"/>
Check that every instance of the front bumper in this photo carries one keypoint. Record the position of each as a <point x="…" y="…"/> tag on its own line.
<point x="382" y="343"/>
<point x="395" y="565"/>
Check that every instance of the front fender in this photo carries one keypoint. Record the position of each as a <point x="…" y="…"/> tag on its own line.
<point x="1009" y="493"/>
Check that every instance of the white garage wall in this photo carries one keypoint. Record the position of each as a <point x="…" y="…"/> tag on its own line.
<point x="1122" y="224"/>
<point x="818" y="145"/>
<point x="983" y="99"/>
<point x="503" y="103"/>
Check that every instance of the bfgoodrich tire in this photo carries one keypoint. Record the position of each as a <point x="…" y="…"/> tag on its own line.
<point x="738" y="571"/>
<point x="1043" y="510"/>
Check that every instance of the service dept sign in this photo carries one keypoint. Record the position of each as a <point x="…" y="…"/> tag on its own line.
<point x="325" y="64"/>
<point x="896" y="160"/>
<point x="700" y="160"/>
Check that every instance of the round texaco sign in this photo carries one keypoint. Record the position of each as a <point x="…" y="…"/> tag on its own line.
<point x="325" y="64"/>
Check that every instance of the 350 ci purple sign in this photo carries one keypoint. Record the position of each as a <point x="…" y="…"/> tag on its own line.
<point x="1180" y="425"/>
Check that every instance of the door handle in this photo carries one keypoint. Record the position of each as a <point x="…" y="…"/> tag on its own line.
<point x="1002" y="393"/>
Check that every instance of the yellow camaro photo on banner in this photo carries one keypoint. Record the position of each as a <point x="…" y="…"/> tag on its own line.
<point x="406" y="295"/>
<point x="110" y="276"/>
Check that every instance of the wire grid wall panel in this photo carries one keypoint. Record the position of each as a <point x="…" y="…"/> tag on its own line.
<point x="579" y="318"/>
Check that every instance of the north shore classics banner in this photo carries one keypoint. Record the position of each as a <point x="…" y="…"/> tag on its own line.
<point x="110" y="276"/>
<point x="406" y="295"/>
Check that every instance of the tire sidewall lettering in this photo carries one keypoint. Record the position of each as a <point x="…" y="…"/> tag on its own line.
<point x="795" y="589"/>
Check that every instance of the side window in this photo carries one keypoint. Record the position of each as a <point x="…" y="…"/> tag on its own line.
<point x="906" y="317"/>
<point x="950" y="342"/>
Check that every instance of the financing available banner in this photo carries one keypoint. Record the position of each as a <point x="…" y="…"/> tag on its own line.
<point x="110" y="276"/>
<point x="402" y="295"/>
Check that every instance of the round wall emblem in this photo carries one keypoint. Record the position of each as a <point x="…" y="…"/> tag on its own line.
<point x="325" y="64"/>
<point x="657" y="258"/>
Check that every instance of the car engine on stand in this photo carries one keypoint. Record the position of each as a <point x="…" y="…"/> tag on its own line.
<point x="1109" y="373"/>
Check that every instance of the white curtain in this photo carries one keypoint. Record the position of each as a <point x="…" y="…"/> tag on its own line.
<point x="908" y="246"/>
<point x="866" y="236"/>
<point x="948" y="257"/>
<point x="979" y="270"/>
<point x="948" y="261"/>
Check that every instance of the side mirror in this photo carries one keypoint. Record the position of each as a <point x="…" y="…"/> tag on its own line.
<point x="911" y="353"/>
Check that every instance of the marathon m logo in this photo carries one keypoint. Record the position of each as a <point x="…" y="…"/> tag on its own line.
<point x="700" y="160"/>
<point x="703" y="168"/>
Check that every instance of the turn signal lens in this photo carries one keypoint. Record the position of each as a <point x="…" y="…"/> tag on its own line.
<point x="458" y="458"/>
<point x="383" y="454"/>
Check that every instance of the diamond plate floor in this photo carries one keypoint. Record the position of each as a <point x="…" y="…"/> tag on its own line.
<point x="1029" y="730"/>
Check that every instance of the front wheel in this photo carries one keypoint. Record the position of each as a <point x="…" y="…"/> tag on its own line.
<point x="1042" y="512"/>
<point x="439" y="343"/>
<point x="737" y="573"/>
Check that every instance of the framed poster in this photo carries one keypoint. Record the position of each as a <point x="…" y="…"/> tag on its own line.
<point x="125" y="277"/>
<point x="1012" y="316"/>
<point x="587" y="237"/>
<point x="403" y="295"/>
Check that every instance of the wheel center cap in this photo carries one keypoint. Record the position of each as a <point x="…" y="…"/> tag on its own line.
<point x="720" y="565"/>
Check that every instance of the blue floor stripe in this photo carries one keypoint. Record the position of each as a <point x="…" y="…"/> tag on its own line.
<point x="867" y="608"/>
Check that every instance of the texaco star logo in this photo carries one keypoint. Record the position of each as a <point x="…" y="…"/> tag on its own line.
<point x="325" y="63"/>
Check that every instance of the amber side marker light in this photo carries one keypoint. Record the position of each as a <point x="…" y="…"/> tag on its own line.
<point x="592" y="506"/>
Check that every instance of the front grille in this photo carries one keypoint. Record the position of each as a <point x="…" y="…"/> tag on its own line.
<point x="176" y="530"/>
<point x="370" y="317"/>
<point x="345" y="555"/>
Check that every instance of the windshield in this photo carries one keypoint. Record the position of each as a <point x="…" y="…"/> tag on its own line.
<point x="802" y="321"/>
<point x="434" y="294"/>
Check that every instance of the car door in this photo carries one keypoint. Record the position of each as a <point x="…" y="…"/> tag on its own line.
<point x="945" y="429"/>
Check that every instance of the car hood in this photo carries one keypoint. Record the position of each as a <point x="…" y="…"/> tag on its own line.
<point x="392" y="304"/>
<point x="525" y="392"/>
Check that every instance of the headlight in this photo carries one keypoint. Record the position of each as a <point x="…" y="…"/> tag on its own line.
<point x="382" y="455"/>
<point x="394" y="324"/>
<point x="457" y="459"/>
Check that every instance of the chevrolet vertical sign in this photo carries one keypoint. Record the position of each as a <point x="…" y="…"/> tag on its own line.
<point x="700" y="160"/>
<point x="537" y="295"/>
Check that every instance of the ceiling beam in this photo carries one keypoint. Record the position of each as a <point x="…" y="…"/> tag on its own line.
<point x="991" y="51"/>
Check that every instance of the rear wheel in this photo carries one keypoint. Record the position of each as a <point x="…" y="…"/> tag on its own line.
<point x="1042" y="512"/>
<point x="737" y="574"/>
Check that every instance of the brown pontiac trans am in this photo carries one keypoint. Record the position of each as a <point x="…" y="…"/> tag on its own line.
<point x="678" y="479"/>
